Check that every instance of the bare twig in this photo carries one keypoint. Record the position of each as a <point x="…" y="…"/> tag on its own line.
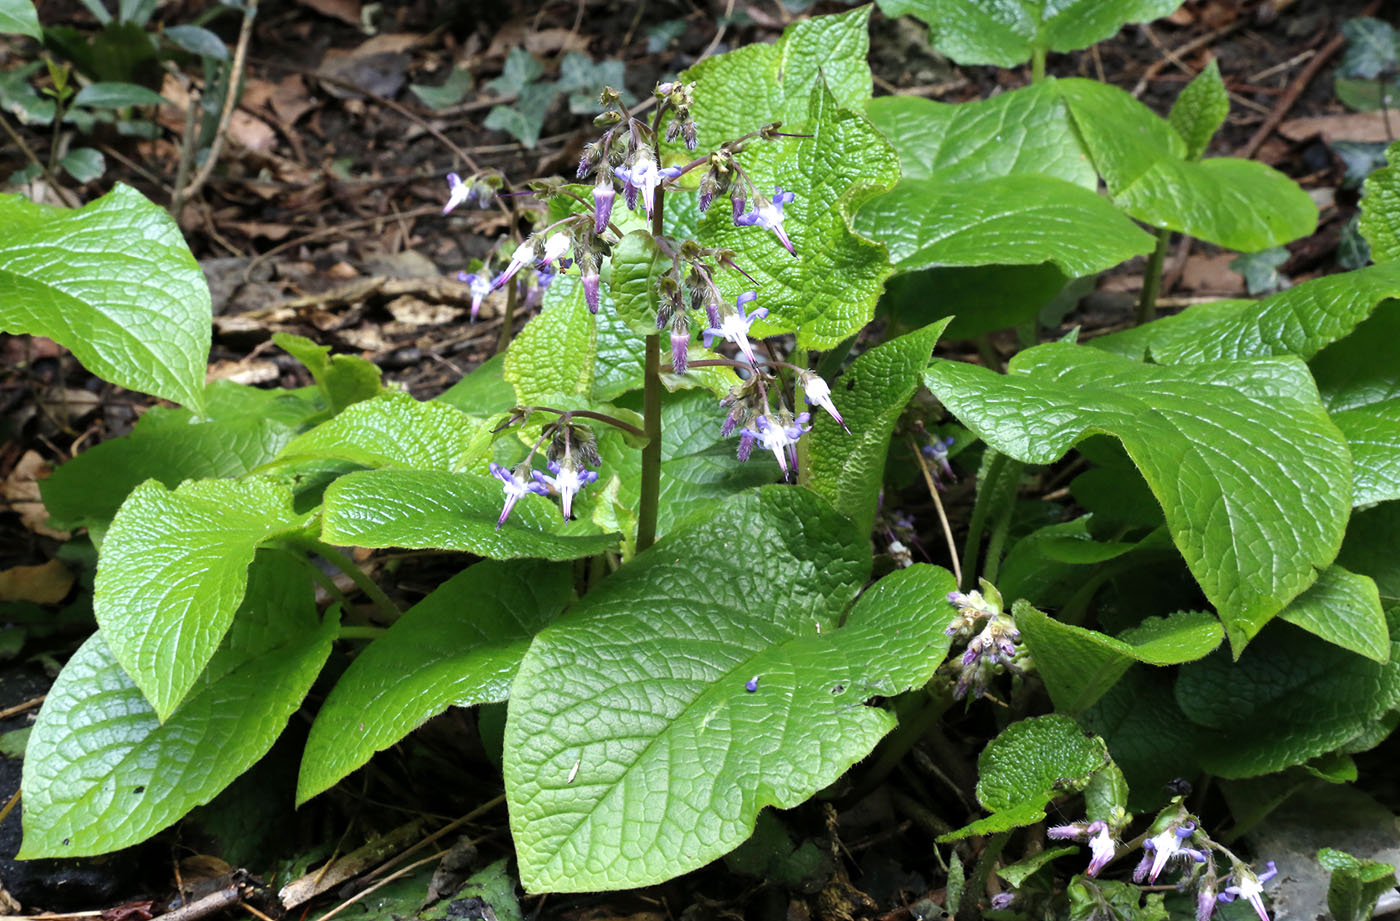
<point x="212" y="903"/>
<point x="942" y="516"/>
<point x="29" y="704"/>
<point x="379" y="885"/>
<point x="33" y="158"/>
<point x="231" y="93"/>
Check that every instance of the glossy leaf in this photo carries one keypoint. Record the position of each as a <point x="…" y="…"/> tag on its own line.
<point x="634" y="749"/>
<point x="1023" y="131"/>
<point x="116" y="96"/>
<point x="1379" y="222"/>
<point x="1252" y="476"/>
<point x="1238" y="204"/>
<point x="395" y="430"/>
<point x="1011" y="220"/>
<point x="1287" y="699"/>
<point x="1372" y="536"/>
<point x="197" y="40"/>
<point x="1200" y="110"/>
<point x="84" y="164"/>
<point x="447" y="511"/>
<point x="172" y="572"/>
<point x="112" y="282"/>
<point x="848" y="470"/>
<point x="553" y="354"/>
<point x="1006" y="33"/>
<point x="1079" y="665"/>
<point x="1299" y="321"/>
<point x="459" y="646"/>
<point x="343" y="379"/>
<point x="637" y="264"/>
<point x="103" y="772"/>
<point x="828" y="290"/>
<point x="1344" y="609"/>
<point x="1028" y="764"/>
<point x="18" y="17"/>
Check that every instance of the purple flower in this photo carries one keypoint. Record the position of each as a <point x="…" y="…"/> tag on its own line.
<point x="515" y="487"/>
<point x="778" y="437"/>
<point x="818" y="393"/>
<point x="751" y="685"/>
<point x="938" y="453"/>
<point x="1249" y="887"/>
<point x="557" y="245"/>
<point x="603" y="196"/>
<point x="734" y="327"/>
<point x="1002" y="900"/>
<point x="680" y="351"/>
<point x="1166" y="845"/>
<point x="746" y="444"/>
<point x="769" y="216"/>
<point x="479" y="283"/>
<point x="644" y="176"/>
<point x="458" y="192"/>
<point x="591" y="293"/>
<point x="568" y="479"/>
<point x="1101" y="847"/>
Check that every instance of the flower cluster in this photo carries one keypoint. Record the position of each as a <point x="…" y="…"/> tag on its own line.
<point x="991" y="650"/>
<point x="1099" y="837"/>
<point x="571" y="452"/>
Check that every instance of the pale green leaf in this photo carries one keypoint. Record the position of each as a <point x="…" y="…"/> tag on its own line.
<point x="1380" y="208"/>
<point x="343" y="379"/>
<point x="553" y="354"/>
<point x="112" y="282"/>
<point x="84" y="164"/>
<point x="1200" y="110"/>
<point x="18" y="17"/>
<point x="459" y="646"/>
<point x="1371" y="48"/>
<point x="447" y="93"/>
<point x="1254" y="479"/>
<point x="395" y="430"/>
<point x="634" y="750"/>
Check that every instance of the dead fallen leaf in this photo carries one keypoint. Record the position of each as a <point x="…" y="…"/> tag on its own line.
<point x="21" y="488"/>
<point x="1353" y="126"/>
<point x="47" y="583"/>
<point x="546" y="41"/>
<point x="1212" y="275"/>
<point x="243" y="371"/>
<point x="415" y="311"/>
<point x="272" y="232"/>
<point x="344" y="10"/>
<point x="290" y="100"/>
<point x="251" y="133"/>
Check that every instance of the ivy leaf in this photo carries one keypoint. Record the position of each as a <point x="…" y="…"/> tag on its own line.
<point x="1344" y="609"/>
<point x="113" y="282"/>
<point x="1011" y="220"/>
<point x="1286" y="700"/>
<point x="1238" y="204"/>
<point x="848" y="470"/>
<point x="1079" y="665"/>
<point x="422" y="509"/>
<point x="1200" y="110"/>
<point x="395" y="430"/>
<point x="447" y="93"/>
<point x="1299" y="321"/>
<point x="582" y="79"/>
<point x="1253" y="477"/>
<point x="829" y="289"/>
<point x="103" y="771"/>
<point x="18" y="17"/>
<point x="1380" y="209"/>
<point x="1371" y="48"/>
<point x="1024" y="131"/>
<point x="459" y="646"/>
<point x="1360" y="386"/>
<point x="1261" y="270"/>
<point x="634" y="750"/>
<point x="524" y="119"/>
<point x="1006" y="33"/>
<point x="172" y="572"/>
<point x="1028" y="764"/>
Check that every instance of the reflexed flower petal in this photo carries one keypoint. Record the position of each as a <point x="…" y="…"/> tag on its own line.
<point x="458" y="192"/>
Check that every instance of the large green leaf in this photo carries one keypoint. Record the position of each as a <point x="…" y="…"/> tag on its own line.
<point x="1359" y="380"/>
<point x="1149" y="737"/>
<point x="1027" y="130"/>
<point x="1355" y="885"/>
<point x="1299" y="321"/>
<point x="978" y="299"/>
<point x="1027" y="765"/>
<point x="172" y="572"/>
<point x="827" y="291"/>
<point x="1253" y="477"/>
<point x="458" y="646"/>
<point x="447" y="511"/>
<point x="553" y="354"/>
<point x="1239" y="204"/>
<point x="1345" y="609"/>
<point x="635" y="749"/>
<point x="1079" y="665"/>
<point x="1287" y="699"/>
<point x="752" y="86"/>
<point x="1007" y="32"/>
<point x="636" y="266"/>
<point x="848" y="469"/>
<point x="102" y="771"/>
<point x="114" y="283"/>
<point x="1021" y="219"/>
<point x="1372" y="536"/>
<point x="88" y="490"/>
<point x="18" y="17"/>
<point x="395" y="430"/>
<point x="1380" y="209"/>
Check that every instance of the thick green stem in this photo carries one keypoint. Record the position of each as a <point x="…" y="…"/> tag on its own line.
<point x="651" y="422"/>
<point x="1152" y="278"/>
<point x="973" y="547"/>
<point x="357" y="575"/>
<point x="1038" y="65"/>
<point x="1000" y="528"/>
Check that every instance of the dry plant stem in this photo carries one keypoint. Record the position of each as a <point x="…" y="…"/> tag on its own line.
<point x="212" y="903"/>
<point x="1152" y="278"/>
<point x="182" y="170"/>
<point x="9" y="806"/>
<point x="20" y="708"/>
<point x="446" y="829"/>
<point x="650" y="496"/>
<point x="379" y="885"/>
<point x="33" y="158"/>
<point x="231" y="94"/>
<point x="942" y="516"/>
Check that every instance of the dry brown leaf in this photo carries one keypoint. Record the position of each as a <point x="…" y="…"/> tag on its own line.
<point x="389" y="42"/>
<point x="547" y="41"/>
<point x="251" y="133"/>
<point x="1353" y="126"/>
<point x="1212" y="275"/>
<point x="243" y="371"/>
<point x="290" y="100"/>
<point x="344" y="10"/>
<point x="21" y="488"/>
<point x="415" y="311"/>
<point x="272" y="232"/>
<point x="47" y="583"/>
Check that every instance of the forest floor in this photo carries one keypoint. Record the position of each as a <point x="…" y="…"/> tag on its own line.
<point x="324" y="219"/>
